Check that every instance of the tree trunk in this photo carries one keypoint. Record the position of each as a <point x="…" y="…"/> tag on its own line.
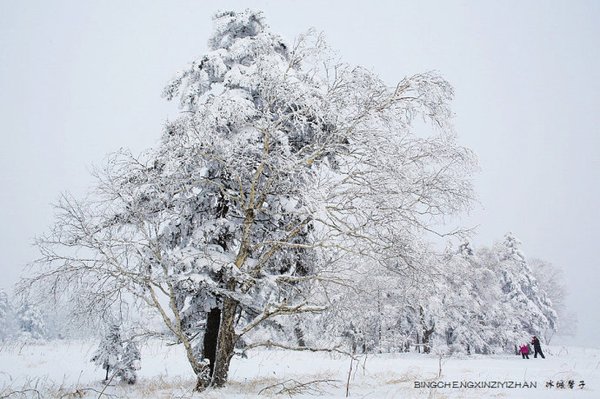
<point x="299" y="336"/>
<point x="426" y="334"/>
<point x="226" y="343"/>
<point x="426" y="331"/>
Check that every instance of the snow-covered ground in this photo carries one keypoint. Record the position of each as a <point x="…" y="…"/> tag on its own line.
<point x="62" y="369"/>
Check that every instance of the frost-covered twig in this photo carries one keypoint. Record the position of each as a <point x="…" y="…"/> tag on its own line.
<point x="348" y="380"/>
<point x="281" y="309"/>
<point x="293" y="387"/>
<point x="101" y="393"/>
<point x="271" y="344"/>
<point x="80" y="392"/>
<point x="24" y="393"/>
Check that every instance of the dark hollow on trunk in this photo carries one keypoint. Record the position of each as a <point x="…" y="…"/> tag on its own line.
<point x="211" y="337"/>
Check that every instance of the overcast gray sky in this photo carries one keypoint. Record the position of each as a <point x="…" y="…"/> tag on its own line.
<point x="81" y="79"/>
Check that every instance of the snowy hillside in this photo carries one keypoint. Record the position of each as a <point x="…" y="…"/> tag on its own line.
<point x="63" y="369"/>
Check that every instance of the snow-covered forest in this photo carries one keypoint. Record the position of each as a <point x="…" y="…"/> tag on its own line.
<point x="468" y="301"/>
<point x="297" y="203"/>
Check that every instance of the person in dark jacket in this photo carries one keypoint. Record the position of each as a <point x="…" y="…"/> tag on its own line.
<point x="537" y="348"/>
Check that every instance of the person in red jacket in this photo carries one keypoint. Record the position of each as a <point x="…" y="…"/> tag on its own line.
<point x="537" y="348"/>
<point x="524" y="350"/>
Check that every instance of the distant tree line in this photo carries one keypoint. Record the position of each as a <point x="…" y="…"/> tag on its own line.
<point x="471" y="300"/>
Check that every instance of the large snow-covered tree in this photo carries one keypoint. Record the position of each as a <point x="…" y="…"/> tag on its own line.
<point x="528" y="307"/>
<point x="284" y="170"/>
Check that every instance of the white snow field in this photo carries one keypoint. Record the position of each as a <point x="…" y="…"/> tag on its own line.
<point x="62" y="369"/>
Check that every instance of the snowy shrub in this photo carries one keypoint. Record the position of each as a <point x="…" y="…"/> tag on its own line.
<point x="110" y="350"/>
<point x="31" y="322"/>
<point x="121" y="356"/>
<point x="129" y="363"/>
